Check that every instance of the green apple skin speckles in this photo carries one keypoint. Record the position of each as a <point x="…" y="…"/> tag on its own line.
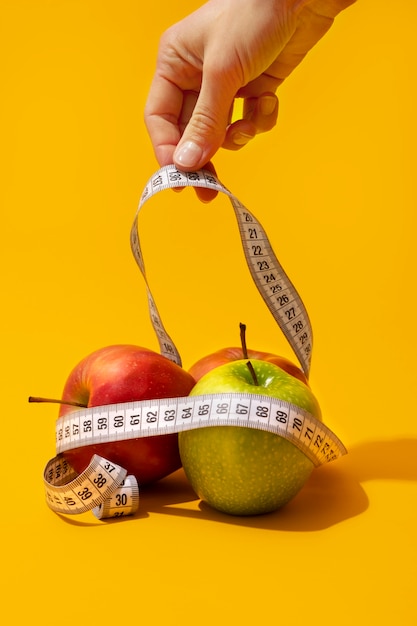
<point x="246" y="471"/>
<point x="243" y="473"/>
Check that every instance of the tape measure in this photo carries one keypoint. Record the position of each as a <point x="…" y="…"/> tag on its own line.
<point x="275" y="287"/>
<point x="103" y="486"/>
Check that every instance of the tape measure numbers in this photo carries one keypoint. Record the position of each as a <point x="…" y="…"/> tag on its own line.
<point x="165" y="416"/>
<point x="104" y="486"/>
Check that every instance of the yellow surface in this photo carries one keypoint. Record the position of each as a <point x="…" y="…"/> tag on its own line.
<point x="334" y="185"/>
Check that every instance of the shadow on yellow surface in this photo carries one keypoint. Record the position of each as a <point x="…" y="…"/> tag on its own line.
<point x="333" y="494"/>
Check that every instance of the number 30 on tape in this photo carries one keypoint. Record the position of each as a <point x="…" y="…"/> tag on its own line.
<point x="104" y="487"/>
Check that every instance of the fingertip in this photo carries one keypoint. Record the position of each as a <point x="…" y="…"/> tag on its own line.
<point x="239" y="134"/>
<point x="268" y="104"/>
<point x="188" y="155"/>
<point x="262" y="111"/>
<point x="240" y="139"/>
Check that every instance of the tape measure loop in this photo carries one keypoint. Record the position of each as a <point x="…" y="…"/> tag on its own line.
<point x="273" y="284"/>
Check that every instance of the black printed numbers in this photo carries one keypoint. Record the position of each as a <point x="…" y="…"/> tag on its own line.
<point x="281" y="417"/>
<point x="100" y="481"/>
<point x="284" y="299"/>
<point x="262" y="411"/>
<point x="85" y="494"/>
<point x="298" y="326"/>
<point x="121" y="499"/>
<point x="151" y="417"/>
<point x="102" y="423"/>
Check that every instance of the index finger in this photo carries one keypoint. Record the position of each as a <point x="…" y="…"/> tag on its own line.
<point x="162" y="113"/>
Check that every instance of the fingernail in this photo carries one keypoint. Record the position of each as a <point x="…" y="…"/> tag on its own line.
<point x="189" y="154"/>
<point x="241" y="139"/>
<point x="267" y="105"/>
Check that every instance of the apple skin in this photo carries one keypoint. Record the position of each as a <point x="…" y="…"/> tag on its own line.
<point x="226" y="355"/>
<point x="124" y="373"/>
<point x="240" y="470"/>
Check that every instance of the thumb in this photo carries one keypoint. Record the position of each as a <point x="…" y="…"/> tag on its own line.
<point x="206" y="129"/>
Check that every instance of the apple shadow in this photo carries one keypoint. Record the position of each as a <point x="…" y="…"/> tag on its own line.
<point x="334" y="493"/>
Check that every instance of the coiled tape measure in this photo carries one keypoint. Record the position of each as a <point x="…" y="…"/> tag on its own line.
<point x="103" y="486"/>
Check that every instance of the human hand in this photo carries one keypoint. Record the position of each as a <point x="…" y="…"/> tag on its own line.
<point x="227" y="49"/>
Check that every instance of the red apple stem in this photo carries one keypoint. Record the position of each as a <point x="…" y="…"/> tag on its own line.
<point x="245" y="354"/>
<point x="243" y="340"/>
<point x="53" y="401"/>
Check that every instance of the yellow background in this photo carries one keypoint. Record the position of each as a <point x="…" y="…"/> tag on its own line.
<point x="334" y="185"/>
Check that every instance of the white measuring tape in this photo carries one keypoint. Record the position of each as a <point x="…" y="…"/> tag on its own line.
<point x="275" y="287"/>
<point x="104" y="487"/>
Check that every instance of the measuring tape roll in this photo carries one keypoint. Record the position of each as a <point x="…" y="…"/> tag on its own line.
<point x="103" y="486"/>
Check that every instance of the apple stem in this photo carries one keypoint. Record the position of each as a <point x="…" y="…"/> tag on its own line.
<point x="253" y="373"/>
<point x="51" y="400"/>
<point x="243" y="340"/>
<point x="245" y="353"/>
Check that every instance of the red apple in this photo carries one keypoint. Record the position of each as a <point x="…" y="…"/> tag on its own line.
<point x="226" y="355"/>
<point x="124" y="373"/>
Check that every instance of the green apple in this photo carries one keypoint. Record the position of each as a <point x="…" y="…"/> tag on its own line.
<point x="242" y="470"/>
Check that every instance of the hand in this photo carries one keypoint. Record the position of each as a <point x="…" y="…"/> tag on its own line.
<point x="227" y="49"/>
